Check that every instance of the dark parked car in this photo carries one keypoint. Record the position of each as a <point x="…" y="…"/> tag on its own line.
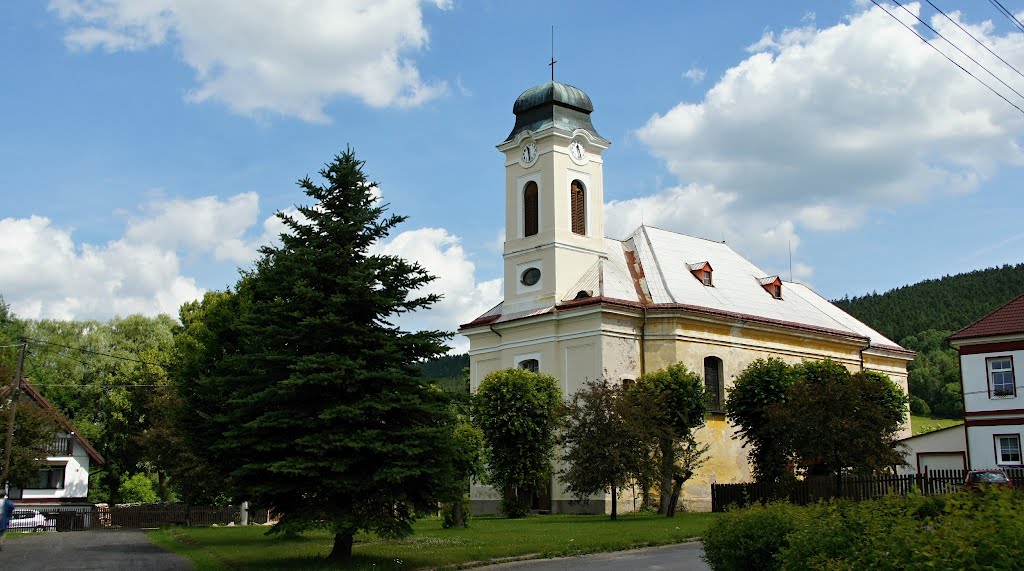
<point x="977" y="479"/>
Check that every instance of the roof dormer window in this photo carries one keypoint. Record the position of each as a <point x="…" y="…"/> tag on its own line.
<point x="701" y="271"/>
<point x="772" y="285"/>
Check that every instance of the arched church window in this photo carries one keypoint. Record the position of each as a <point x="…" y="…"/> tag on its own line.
<point x="578" y="206"/>
<point x="713" y="383"/>
<point x="530" y="209"/>
<point x="532" y="365"/>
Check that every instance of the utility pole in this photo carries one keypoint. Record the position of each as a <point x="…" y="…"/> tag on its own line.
<point x="15" y="390"/>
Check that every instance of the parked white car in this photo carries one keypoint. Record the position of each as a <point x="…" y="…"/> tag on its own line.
<point x="24" y="520"/>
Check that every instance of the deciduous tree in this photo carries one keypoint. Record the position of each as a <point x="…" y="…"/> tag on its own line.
<point x="675" y="405"/>
<point x="518" y="412"/>
<point x="602" y="448"/>
<point x="764" y="382"/>
<point x="816" y="416"/>
<point x="34" y="430"/>
<point x="833" y="421"/>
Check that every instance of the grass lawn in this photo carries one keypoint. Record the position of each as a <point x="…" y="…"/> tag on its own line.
<point x="922" y="424"/>
<point x="431" y="546"/>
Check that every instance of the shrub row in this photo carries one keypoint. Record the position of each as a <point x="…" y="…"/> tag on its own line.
<point x="960" y="531"/>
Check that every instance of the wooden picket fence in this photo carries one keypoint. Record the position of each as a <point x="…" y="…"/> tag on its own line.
<point x="857" y="488"/>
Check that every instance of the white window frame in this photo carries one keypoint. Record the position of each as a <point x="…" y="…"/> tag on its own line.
<point x="520" y="268"/>
<point x="521" y="207"/>
<point x="519" y="359"/>
<point x="588" y="213"/>
<point x="1010" y="438"/>
<point x="991" y="372"/>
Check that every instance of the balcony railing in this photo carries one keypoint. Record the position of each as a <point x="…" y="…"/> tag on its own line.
<point x="61" y="446"/>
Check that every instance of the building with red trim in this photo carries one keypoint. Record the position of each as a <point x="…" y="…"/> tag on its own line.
<point x="991" y="353"/>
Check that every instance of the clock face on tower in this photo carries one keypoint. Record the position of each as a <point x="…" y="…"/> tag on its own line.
<point x="576" y="151"/>
<point x="529" y="153"/>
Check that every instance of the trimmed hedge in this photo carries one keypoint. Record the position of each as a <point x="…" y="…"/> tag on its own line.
<point x="959" y="531"/>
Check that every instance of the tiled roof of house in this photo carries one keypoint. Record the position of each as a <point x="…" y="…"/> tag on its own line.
<point x="652" y="268"/>
<point x="1007" y="320"/>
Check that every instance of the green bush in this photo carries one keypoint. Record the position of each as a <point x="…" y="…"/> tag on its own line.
<point x="749" y="538"/>
<point x="137" y="489"/>
<point x="958" y="531"/>
<point x="919" y="407"/>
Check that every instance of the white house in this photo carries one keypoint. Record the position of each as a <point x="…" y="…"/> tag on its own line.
<point x="65" y="480"/>
<point x="581" y="306"/>
<point x="990" y="351"/>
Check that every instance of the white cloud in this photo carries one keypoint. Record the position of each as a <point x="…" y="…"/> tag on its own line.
<point x="820" y="127"/>
<point x="207" y="224"/>
<point x="289" y="58"/>
<point x="694" y="74"/>
<point x="702" y="208"/>
<point x="46" y="275"/>
<point x="442" y="255"/>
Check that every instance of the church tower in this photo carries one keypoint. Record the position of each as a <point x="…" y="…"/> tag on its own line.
<point x="554" y="196"/>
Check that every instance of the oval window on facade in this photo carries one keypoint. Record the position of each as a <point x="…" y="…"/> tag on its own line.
<point x="530" y="277"/>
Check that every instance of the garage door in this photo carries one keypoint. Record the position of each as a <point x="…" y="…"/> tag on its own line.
<point x="941" y="461"/>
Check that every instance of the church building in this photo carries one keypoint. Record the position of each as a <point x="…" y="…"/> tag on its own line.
<point x="580" y="306"/>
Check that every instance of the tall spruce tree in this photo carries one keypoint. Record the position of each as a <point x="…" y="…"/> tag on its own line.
<point x="333" y="425"/>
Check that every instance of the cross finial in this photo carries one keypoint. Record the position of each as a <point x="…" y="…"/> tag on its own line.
<point x="553" y="62"/>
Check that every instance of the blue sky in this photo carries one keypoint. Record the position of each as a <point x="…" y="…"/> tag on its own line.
<point x="146" y="144"/>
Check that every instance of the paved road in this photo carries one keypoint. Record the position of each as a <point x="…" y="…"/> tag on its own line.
<point x="683" y="557"/>
<point x="107" y="550"/>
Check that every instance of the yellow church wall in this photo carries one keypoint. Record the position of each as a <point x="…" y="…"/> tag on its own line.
<point x="602" y="343"/>
<point x="687" y="341"/>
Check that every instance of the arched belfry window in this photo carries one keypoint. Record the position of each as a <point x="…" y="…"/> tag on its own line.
<point x="713" y="383"/>
<point x="530" y="209"/>
<point x="578" y="206"/>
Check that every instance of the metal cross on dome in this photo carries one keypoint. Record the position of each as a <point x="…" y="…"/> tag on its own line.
<point x="553" y="62"/>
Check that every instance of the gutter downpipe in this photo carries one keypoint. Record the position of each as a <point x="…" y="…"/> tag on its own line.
<point x="643" y="336"/>
<point x="495" y="331"/>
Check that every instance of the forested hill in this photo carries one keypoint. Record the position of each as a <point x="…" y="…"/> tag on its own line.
<point x="448" y="373"/>
<point x="445" y="366"/>
<point x="945" y="304"/>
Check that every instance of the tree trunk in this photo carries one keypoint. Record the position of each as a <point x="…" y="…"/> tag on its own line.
<point x="668" y="459"/>
<point x="458" y="518"/>
<point x="615" y="502"/>
<point x="161" y="486"/>
<point x="342" y="551"/>
<point x="677" y="486"/>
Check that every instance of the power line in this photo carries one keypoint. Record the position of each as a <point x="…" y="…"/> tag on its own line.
<point x="1009" y="15"/>
<point x="957" y="48"/>
<point x="962" y="68"/>
<point x="980" y="43"/>
<point x="90" y="351"/>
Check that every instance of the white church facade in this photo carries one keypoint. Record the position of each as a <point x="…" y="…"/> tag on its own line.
<point x="580" y="306"/>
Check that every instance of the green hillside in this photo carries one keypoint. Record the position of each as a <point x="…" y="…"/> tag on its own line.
<point x="945" y="304"/>
<point x="448" y="373"/>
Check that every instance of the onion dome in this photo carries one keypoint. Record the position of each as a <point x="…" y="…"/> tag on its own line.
<point x="553" y="105"/>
